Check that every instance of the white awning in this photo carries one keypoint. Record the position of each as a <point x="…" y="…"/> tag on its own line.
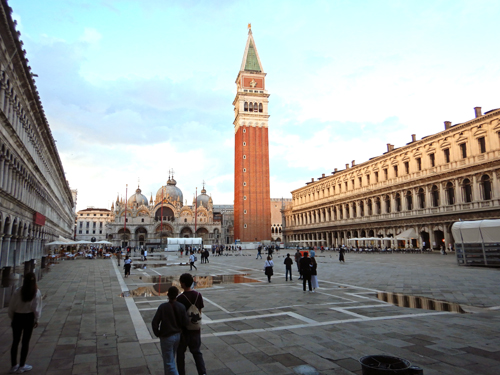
<point x="407" y="234"/>
<point x="487" y="231"/>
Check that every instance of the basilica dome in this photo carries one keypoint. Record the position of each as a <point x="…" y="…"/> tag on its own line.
<point x="138" y="198"/>
<point x="170" y="192"/>
<point x="202" y="199"/>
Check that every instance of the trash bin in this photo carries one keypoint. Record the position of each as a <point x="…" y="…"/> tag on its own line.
<point x="384" y="365"/>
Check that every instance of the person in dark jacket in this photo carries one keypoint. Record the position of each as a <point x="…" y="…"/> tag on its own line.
<point x="168" y="322"/>
<point x="288" y="267"/>
<point x="305" y="271"/>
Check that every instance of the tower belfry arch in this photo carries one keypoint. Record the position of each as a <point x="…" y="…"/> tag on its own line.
<point x="252" y="196"/>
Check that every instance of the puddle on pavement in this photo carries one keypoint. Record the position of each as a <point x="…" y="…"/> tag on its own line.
<point x="415" y="302"/>
<point x="162" y="283"/>
<point x="144" y="266"/>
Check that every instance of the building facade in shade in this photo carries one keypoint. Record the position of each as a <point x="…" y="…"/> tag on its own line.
<point x="417" y="191"/>
<point x="142" y="223"/>
<point x="277" y="206"/>
<point x="252" y="214"/>
<point x="91" y="224"/>
<point x="36" y="204"/>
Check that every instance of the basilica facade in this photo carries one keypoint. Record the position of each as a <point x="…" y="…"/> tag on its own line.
<point x="142" y="223"/>
<point x="416" y="191"/>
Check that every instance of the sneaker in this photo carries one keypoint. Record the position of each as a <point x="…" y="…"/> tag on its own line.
<point x="24" y="368"/>
<point x="14" y="369"/>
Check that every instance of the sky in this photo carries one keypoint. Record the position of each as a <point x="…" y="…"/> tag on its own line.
<point x="134" y="88"/>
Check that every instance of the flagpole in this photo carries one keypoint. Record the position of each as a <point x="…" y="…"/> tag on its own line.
<point x="126" y="204"/>
<point x="195" y="210"/>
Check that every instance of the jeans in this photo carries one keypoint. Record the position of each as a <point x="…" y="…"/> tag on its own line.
<point x="20" y="323"/>
<point x="191" y="265"/>
<point x="191" y="340"/>
<point x="169" y="347"/>
<point x="288" y="271"/>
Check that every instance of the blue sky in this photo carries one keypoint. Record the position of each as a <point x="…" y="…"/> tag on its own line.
<point x="133" y="88"/>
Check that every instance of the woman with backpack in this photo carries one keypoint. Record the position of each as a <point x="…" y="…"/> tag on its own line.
<point x="25" y="308"/>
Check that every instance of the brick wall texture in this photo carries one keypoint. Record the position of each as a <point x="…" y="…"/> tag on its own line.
<point x="251" y="180"/>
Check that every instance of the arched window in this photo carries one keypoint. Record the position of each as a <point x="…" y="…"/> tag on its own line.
<point x="486" y="187"/>
<point x="246" y="107"/>
<point x="387" y="202"/>
<point x="467" y="190"/>
<point x="450" y="193"/>
<point x="409" y="201"/>
<point x="256" y="107"/>
<point x="378" y="209"/>
<point x="369" y="207"/>
<point x="398" y="202"/>
<point x="251" y="107"/>
<point x="435" y="196"/>
<point x="341" y="213"/>
<point x="362" y="208"/>
<point x="260" y="107"/>
<point x="421" y="198"/>
<point x="347" y="211"/>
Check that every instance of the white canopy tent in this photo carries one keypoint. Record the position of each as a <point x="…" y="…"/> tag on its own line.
<point x="481" y="231"/>
<point x="407" y="235"/>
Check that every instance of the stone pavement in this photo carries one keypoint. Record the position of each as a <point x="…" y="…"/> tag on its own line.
<point x="255" y="327"/>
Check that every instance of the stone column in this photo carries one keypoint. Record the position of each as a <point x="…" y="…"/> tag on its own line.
<point x="4" y="262"/>
<point x="432" y="239"/>
<point x="494" y="185"/>
<point x="448" y="238"/>
<point x="476" y="195"/>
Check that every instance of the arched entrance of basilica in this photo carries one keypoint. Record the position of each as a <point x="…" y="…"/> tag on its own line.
<point x="186" y="232"/>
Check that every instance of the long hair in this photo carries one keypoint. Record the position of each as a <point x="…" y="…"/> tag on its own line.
<point x="29" y="288"/>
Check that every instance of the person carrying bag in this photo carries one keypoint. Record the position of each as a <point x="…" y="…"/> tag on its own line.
<point x="268" y="268"/>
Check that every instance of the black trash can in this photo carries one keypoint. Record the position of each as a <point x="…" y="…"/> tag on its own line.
<point x="384" y="365"/>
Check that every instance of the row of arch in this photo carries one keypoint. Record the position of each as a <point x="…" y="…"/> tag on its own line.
<point x="20" y="241"/>
<point x="253" y="107"/>
<point x="409" y="200"/>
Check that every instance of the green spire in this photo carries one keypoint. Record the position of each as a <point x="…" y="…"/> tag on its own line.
<point x="252" y="62"/>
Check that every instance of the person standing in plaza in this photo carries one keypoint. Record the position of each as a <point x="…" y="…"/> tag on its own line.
<point x="288" y="267"/>
<point x="259" y="252"/>
<point x="268" y="268"/>
<point x="127" y="264"/>
<point x="341" y="254"/>
<point x="305" y="271"/>
<point x="314" y="274"/>
<point x="298" y="255"/>
<point x="192" y="259"/>
<point x="191" y="335"/>
<point x="119" y="256"/>
<point x="145" y="254"/>
<point x="25" y="308"/>
<point x="168" y="322"/>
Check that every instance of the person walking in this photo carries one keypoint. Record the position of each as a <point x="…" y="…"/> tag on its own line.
<point x="268" y="268"/>
<point x="127" y="264"/>
<point x="191" y="336"/>
<point x="192" y="259"/>
<point x="288" y="267"/>
<point x="305" y="271"/>
<point x="119" y="256"/>
<point x="298" y="255"/>
<point x="145" y="254"/>
<point x="25" y="308"/>
<point x="168" y="322"/>
<point x="314" y="274"/>
<point x="341" y="255"/>
<point x="259" y="252"/>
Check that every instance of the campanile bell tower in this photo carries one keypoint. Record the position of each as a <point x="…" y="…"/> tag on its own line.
<point x="252" y="195"/>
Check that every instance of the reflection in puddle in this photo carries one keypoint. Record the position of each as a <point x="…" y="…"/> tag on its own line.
<point x="415" y="302"/>
<point x="162" y="283"/>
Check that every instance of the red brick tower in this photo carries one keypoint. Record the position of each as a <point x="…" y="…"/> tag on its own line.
<point x="252" y="196"/>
